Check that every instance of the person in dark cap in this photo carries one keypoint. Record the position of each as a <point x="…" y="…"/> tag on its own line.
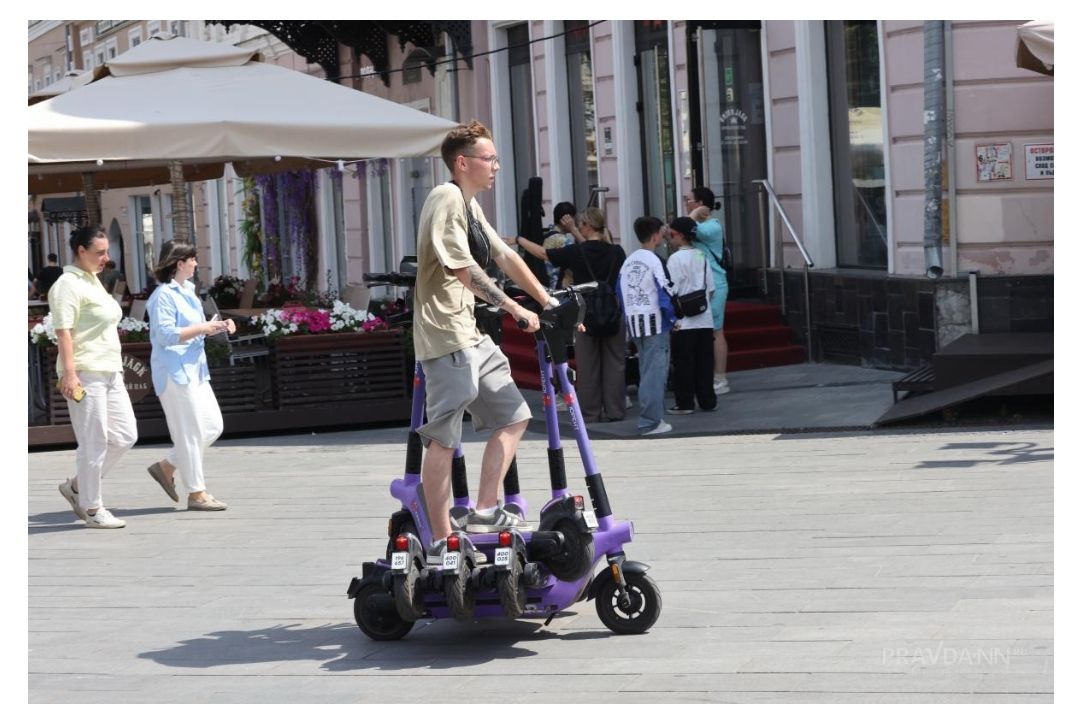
<point x="692" y="346"/>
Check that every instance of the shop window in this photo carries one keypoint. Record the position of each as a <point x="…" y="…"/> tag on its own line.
<point x="580" y="82"/>
<point x="857" y="139"/>
<point x="521" y="108"/>
<point x="656" y="118"/>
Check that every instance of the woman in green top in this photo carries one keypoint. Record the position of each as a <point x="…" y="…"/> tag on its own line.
<point x="85" y="318"/>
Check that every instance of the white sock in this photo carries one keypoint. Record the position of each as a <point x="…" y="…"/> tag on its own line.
<point x="488" y="511"/>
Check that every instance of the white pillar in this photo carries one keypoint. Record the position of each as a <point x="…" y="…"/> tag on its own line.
<point x="818" y="214"/>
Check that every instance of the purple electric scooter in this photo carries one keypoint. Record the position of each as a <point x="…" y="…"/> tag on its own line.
<point x="530" y="574"/>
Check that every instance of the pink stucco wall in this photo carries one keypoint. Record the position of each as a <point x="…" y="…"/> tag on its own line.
<point x="1003" y="227"/>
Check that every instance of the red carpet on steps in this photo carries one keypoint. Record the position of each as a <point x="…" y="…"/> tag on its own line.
<point x="756" y="335"/>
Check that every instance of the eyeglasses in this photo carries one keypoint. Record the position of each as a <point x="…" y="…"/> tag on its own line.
<point x="490" y="159"/>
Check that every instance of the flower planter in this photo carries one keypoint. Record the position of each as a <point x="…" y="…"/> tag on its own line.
<point x="338" y="368"/>
<point x="330" y="379"/>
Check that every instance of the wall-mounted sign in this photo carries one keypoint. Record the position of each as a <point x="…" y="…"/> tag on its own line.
<point x="1039" y="161"/>
<point x="608" y="140"/>
<point x="994" y="162"/>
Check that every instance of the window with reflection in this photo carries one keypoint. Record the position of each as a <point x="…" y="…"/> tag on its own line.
<point x="579" y="80"/>
<point x="857" y="138"/>
<point x="656" y="118"/>
<point x="521" y="108"/>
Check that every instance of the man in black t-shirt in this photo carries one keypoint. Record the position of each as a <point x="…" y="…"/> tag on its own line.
<point x="48" y="276"/>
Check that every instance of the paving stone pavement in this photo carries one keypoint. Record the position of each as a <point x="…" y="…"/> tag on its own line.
<point x="868" y="567"/>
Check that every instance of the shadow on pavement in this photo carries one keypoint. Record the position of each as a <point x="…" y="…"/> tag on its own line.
<point x="65" y="519"/>
<point x="342" y="647"/>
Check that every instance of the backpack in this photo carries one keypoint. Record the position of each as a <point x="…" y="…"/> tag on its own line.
<point x="602" y="317"/>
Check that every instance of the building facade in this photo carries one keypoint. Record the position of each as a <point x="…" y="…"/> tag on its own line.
<point x="630" y="115"/>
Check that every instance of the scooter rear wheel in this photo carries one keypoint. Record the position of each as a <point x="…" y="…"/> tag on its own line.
<point x="577" y="555"/>
<point x="376" y="614"/>
<point x="458" y="592"/>
<point x="407" y="592"/>
<point x="512" y="591"/>
<point x="641" y="613"/>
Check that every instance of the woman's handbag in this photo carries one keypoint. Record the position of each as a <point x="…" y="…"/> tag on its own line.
<point x="694" y="302"/>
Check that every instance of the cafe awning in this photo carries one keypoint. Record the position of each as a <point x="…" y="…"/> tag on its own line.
<point x="64" y="209"/>
<point x="1035" y="46"/>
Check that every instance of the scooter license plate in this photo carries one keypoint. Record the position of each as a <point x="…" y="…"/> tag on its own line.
<point x="451" y="560"/>
<point x="503" y="556"/>
<point x="400" y="560"/>
<point x="589" y="519"/>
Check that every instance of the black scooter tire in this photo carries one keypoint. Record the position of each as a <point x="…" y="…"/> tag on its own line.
<point x="645" y="604"/>
<point x="512" y="592"/>
<point x="578" y="553"/>
<point x="376" y="615"/>
<point x="458" y="592"/>
<point x="407" y="592"/>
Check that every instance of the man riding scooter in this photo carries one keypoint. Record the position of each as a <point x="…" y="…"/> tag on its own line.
<point x="464" y="370"/>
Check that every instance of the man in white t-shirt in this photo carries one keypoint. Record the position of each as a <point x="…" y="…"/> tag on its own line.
<point x="464" y="370"/>
<point x="644" y="291"/>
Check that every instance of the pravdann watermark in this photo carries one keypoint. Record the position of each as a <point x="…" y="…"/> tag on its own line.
<point x="942" y="654"/>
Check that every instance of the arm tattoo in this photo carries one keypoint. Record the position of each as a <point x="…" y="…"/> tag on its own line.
<point x="483" y="286"/>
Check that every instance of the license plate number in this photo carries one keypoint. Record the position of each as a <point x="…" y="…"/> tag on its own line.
<point x="451" y="560"/>
<point x="589" y="519"/>
<point x="503" y="556"/>
<point x="400" y="560"/>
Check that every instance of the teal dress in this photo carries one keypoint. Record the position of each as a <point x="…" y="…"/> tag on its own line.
<point x="710" y="239"/>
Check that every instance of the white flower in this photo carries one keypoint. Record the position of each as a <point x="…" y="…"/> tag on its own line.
<point x="44" y="332"/>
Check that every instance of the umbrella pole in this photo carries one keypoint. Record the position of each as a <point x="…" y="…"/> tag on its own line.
<point x="92" y="199"/>
<point x="182" y="227"/>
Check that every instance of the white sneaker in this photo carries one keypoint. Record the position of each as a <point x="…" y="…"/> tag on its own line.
<point x="662" y="428"/>
<point x="66" y="488"/>
<point x="721" y="386"/>
<point x="103" y="519"/>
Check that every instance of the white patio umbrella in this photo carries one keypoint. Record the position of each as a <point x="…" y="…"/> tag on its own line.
<point x="205" y="104"/>
<point x="1035" y="46"/>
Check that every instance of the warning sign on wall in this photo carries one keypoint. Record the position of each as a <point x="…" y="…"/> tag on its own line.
<point x="1039" y="161"/>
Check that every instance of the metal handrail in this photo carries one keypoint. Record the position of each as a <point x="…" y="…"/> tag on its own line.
<point x="787" y="222"/>
<point x="807" y="262"/>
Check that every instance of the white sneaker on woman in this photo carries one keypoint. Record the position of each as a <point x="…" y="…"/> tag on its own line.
<point x="102" y="518"/>
<point x="66" y="489"/>
<point x="721" y="386"/>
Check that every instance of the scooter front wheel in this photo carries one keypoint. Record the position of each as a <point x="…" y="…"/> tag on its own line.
<point x="642" y="610"/>
<point x="376" y="614"/>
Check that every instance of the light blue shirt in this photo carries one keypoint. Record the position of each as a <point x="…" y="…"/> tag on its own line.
<point x="171" y="308"/>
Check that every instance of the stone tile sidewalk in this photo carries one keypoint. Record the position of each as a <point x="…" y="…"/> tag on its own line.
<point x="865" y="567"/>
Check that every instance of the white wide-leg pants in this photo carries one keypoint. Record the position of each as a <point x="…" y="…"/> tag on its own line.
<point x="195" y="422"/>
<point x="105" y="429"/>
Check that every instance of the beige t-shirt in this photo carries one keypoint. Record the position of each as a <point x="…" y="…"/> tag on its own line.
<point x="443" y="307"/>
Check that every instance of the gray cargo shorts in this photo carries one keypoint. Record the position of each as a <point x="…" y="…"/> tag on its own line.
<point x="476" y="379"/>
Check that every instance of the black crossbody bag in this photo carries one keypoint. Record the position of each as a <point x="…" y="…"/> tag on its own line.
<point x="694" y="302"/>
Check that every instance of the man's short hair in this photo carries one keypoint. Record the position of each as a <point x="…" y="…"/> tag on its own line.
<point x="565" y="208"/>
<point x="646" y="227"/>
<point x="460" y="139"/>
<point x="53" y="257"/>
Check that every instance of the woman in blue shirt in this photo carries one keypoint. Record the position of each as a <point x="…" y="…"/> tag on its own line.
<point x="180" y="376"/>
<point x="710" y="239"/>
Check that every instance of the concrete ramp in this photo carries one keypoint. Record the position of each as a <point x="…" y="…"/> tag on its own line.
<point x="999" y="383"/>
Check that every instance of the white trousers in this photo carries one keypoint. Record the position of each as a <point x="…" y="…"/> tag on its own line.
<point x="195" y="422"/>
<point x="105" y="429"/>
